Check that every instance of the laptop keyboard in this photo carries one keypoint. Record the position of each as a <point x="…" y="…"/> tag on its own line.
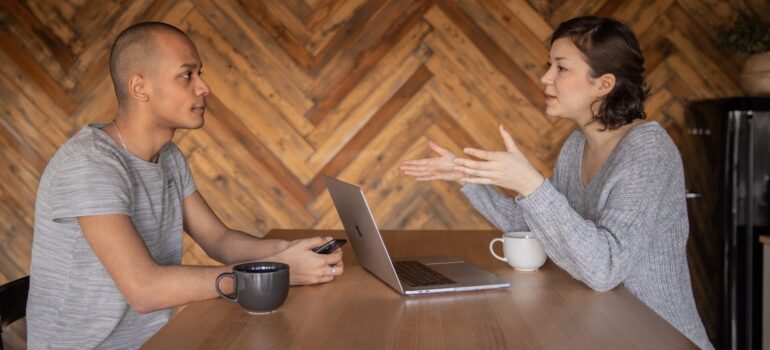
<point x="416" y="274"/>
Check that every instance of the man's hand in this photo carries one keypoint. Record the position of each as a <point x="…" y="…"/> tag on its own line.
<point x="308" y="267"/>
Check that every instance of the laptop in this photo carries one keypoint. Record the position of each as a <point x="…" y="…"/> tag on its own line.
<point x="408" y="276"/>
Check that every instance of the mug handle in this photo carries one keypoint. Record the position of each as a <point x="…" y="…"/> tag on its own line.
<point x="492" y="250"/>
<point x="219" y="291"/>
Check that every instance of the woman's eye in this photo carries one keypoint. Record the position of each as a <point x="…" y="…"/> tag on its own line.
<point x="562" y="69"/>
<point x="187" y="75"/>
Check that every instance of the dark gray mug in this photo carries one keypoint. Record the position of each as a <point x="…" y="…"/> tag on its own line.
<point x="260" y="287"/>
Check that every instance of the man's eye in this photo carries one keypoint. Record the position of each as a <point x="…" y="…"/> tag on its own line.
<point x="187" y="75"/>
<point x="562" y="69"/>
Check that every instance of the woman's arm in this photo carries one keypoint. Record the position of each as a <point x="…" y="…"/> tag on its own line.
<point x="602" y="253"/>
<point x="498" y="208"/>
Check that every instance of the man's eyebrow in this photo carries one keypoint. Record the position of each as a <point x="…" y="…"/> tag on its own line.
<point x="191" y="65"/>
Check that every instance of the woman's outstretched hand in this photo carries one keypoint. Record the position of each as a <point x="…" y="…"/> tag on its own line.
<point x="509" y="169"/>
<point x="437" y="168"/>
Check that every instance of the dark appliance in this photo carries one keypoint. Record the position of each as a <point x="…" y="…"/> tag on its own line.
<point x="726" y="154"/>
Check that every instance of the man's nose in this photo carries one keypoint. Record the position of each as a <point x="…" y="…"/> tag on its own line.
<point x="202" y="89"/>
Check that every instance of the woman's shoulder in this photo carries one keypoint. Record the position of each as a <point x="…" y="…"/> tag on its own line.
<point x="649" y="140"/>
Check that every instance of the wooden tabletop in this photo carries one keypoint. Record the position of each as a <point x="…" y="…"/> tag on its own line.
<point x="542" y="309"/>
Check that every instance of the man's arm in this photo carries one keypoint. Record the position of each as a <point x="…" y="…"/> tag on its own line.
<point x="148" y="286"/>
<point x="230" y="246"/>
<point x="218" y="241"/>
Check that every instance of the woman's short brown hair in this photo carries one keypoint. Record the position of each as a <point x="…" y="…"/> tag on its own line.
<point x="609" y="46"/>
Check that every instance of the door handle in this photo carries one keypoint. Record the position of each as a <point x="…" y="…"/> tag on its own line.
<point x="692" y="195"/>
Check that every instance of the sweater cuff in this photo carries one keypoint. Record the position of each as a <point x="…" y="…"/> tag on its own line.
<point x="471" y="188"/>
<point x="541" y="198"/>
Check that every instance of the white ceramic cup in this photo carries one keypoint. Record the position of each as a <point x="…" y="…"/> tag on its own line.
<point x="522" y="251"/>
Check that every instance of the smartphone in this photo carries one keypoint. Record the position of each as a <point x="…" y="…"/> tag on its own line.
<point x="330" y="246"/>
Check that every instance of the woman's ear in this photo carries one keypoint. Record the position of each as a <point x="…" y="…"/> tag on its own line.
<point x="605" y="84"/>
<point x="136" y="88"/>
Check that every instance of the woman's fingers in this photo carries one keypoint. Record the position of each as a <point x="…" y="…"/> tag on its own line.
<point x="510" y="145"/>
<point x="415" y="162"/>
<point x="477" y="180"/>
<point x="440" y="150"/>
<point x="479" y="153"/>
<point x="475" y="164"/>
<point x="474" y="172"/>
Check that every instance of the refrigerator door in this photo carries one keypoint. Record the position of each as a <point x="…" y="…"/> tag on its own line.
<point x="725" y="153"/>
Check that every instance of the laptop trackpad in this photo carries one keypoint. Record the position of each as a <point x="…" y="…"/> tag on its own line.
<point x="460" y="271"/>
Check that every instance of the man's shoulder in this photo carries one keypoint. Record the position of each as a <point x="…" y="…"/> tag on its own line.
<point x="87" y="146"/>
<point x="88" y="142"/>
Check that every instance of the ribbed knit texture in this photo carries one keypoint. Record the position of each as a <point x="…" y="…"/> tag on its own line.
<point x="629" y="225"/>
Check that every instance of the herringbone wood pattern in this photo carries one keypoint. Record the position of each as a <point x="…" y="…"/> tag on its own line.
<point x="303" y="88"/>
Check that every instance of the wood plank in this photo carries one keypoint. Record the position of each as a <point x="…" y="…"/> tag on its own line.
<point x="278" y="31"/>
<point x="255" y="45"/>
<point x="494" y="53"/>
<point x="530" y="18"/>
<point x="34" y="71"/>
<point x="289" y="101"/>
<point x="639" y="15"/>
<point x="343" y="73"/>
<point x="359" y="105"/>
<point x="231" y="134"/>
<point x="254" y="111"/>
<point x="510" y="35"/>
<point x="321" y="13"/>
<point x="488" y="85"/>
<point x="31" y="23"/>
<point x="380" y="119"/>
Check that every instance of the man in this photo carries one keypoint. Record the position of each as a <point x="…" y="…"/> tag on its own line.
<point x="114" y="200"/>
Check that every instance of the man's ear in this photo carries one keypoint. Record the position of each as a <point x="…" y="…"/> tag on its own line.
<point x="605" y="84"/>
<point x="136" y="88"/>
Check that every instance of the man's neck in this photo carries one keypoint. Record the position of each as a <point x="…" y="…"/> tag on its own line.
<point x="140" y="137"/>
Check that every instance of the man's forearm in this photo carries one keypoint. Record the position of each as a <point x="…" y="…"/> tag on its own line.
<point x="236" y="246"/>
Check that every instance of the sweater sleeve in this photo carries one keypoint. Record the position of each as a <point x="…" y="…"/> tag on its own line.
<point x="498" y="208"/>
<point x="603" y="252"/>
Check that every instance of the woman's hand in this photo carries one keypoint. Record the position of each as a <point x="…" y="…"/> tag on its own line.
<point x="438" y="168"/>
<point x="308" y="267"/>
<point x="509" y="169"/>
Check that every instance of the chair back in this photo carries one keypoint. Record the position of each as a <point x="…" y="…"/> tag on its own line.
<point x="13" y="303"/>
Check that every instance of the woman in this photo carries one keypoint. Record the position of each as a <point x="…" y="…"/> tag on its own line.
<point x="614" y="211"/>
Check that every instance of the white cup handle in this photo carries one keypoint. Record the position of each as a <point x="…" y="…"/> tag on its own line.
<point x="492" y="250"/>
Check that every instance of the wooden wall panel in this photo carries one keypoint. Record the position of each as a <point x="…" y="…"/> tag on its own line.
<point x="306" y="88"/>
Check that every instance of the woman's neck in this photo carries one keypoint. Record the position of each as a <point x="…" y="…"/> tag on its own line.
<point x="597" y="137"/>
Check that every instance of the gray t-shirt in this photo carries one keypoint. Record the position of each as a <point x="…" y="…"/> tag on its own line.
<point x="73" y="301"/>
<point x="629" y="225"/>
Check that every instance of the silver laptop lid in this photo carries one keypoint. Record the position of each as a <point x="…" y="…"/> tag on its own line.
<point x="362" y="231"/>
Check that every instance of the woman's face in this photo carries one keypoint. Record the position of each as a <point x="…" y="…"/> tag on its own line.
<point x="569" y="90"/>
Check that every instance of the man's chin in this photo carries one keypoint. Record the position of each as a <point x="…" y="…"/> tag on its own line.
<point x="193" y="124"/>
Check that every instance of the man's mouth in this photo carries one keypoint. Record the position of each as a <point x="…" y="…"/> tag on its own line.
<point x="199" y="108"/>
<point x="549" y="97"/>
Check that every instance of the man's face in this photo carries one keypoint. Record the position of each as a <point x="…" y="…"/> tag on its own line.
<point x="177" y="91"/>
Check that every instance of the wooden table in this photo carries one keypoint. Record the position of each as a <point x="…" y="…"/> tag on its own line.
<point x="543" y="309"/>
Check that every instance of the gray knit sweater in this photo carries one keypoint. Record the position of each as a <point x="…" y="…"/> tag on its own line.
<point x="629" y="225"/>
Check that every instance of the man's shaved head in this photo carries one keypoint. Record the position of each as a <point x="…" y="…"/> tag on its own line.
<point x="134" y="52"/>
